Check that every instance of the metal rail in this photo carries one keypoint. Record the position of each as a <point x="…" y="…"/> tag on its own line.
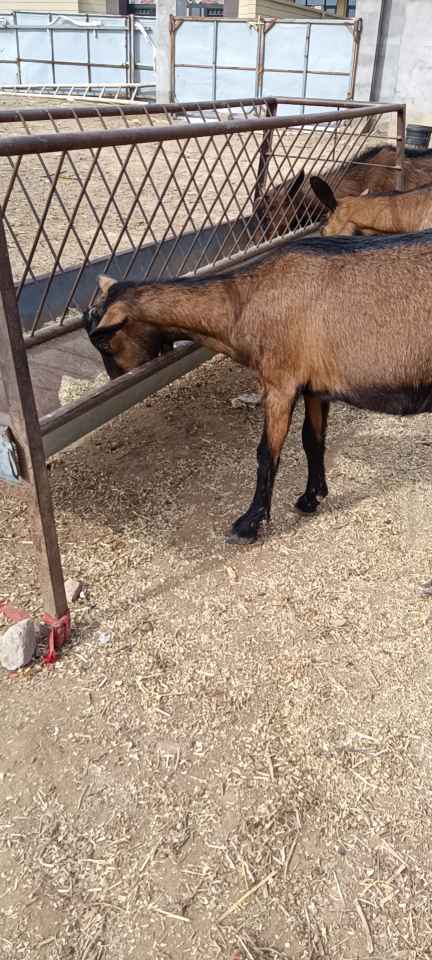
<point x="61" y="142"/>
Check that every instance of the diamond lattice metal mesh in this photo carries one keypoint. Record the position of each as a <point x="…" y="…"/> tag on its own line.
<point x="69" y="208"/>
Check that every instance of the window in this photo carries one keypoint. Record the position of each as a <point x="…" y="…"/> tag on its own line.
<point x="329" y="5"/>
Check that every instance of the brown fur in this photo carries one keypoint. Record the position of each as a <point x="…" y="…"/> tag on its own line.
<point x="333" y="319"/>
<point x="280" y="212"/>
<point x="296" y="315"/>
<point x="381" y="213"/>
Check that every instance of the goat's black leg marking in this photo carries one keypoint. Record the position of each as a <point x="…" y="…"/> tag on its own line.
<point x="277" y="421"/>
<point x="313" y="436"/>
<point x="245" y="529"/>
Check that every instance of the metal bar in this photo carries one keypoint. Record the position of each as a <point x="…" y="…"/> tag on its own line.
<point x="63" y="427"/>
<point x="306" y="62"/>
<point x="259" y="64"/>
<point x="328" y="22"/>
<point x="214" y="56"/>
<point x="132" y="63"/>
<point x="27" y="434"/>
<point x="172" y="65"/>
<point x="65" y="113"/>
<point x="357" y="32"/>
<point x="209" y="66"/>
<point x="400" y="148"/>
<point x="51" y="36"/>
<point x="265" y="154"/>
<point x="18" y="59"/>
<point x="59" y="142"/>
<point x="89" y="64"/>
<point x="69" y="63"/>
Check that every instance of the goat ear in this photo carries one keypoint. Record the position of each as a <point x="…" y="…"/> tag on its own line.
<point x="324" y="193"/>
<point x="296" y="184"/>
<point x="104" y="284"/>
<point x="103" y="333"/>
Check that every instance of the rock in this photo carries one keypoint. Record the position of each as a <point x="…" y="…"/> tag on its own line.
<point x="72" y="589"/>
<point x="17" y="645"/>
<point x="247" y="400"/>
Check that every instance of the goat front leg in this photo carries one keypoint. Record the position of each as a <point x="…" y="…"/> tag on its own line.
<point x="279" y="407"/>
<point x="313" y="436"/>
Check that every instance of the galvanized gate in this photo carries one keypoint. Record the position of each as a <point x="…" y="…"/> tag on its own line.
<point x="214" y="58"/>
<point x="76" y="50"/>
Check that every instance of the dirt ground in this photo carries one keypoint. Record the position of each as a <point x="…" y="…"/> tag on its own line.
<point x="233" y="758"/>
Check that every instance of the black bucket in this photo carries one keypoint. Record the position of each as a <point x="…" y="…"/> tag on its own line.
<point x="417" y="137"/>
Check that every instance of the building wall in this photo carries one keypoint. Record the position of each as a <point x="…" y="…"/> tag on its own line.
<point x="249" y="9"/>
<point x="39" y="6"/>
<point x="94" y="6"/>
<point x="402" y="54"/>
<point x="55" y="6"/>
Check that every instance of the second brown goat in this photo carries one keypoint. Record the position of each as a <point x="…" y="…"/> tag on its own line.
<point x="291" y="204"/>
<point x="329" y="319"/>
<point x="374" y="213"/>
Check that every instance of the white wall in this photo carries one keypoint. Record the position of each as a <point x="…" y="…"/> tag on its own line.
<point x="404" y="65"/>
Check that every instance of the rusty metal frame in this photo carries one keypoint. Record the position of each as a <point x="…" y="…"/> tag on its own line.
<point x="263" y="26"/>
<point x="250" y="150"/>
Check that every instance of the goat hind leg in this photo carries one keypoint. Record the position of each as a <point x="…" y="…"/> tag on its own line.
<point x="278" y="413"/>
<point x="313" y="436"/>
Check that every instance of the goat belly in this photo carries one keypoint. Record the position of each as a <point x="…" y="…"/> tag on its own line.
<point x="401" y="401"/>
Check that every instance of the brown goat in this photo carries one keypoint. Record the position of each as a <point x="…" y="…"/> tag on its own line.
<point x="281" y="209"/>
<point x="294" y="318"/>
<point x="375" y="212"/>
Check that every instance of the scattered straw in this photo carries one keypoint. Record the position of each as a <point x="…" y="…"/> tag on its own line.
<point x="249" y="893"/>
<point x="365" y="925"/>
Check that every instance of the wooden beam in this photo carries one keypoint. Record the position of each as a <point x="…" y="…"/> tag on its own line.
<point x="25" y="427"/>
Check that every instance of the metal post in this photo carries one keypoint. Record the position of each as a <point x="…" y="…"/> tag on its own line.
<point x="26" y="432"/>
<point x="131" y="21"/>
<point x="89" y="71"/>
<point x="51" y="36"/>
<point x="214" y="58"/>
<point x="166" y="9"/>
<point x="400" y="148"/>
<point x="306" y="62"/>
<point x="265" y="154"/>
<point x="18" y="60"/>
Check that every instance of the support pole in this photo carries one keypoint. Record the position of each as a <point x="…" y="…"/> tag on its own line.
<point x="24" y="425"/>
<point x="400" y="148"/>
<point x="165" y="9"/>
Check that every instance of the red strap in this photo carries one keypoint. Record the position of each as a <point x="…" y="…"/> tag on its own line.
<point x="58" y="635"/>
<point x="59" y="628"/>
<point x="12" y="613"/>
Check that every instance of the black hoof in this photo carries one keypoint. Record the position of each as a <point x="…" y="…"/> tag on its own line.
<point x="243" y="530"/>
<point x="233" y="537"/>
<point x="307" y="503"/>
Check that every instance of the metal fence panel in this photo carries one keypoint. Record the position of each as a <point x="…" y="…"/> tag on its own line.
<point x="211" y="58"/>
<point x="263" y="57"/>
<point x="50" y="48"/>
